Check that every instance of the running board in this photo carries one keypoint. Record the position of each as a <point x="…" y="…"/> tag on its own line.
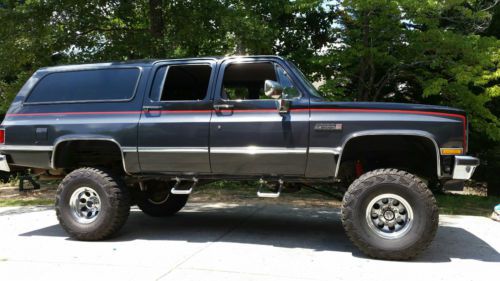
<point x="176" y="191"/>
<point x="269" y="194"/>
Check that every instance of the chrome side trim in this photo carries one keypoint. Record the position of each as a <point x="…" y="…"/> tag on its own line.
<point x="254" y="150"/>
<point x="26" y="148"/>
<point x="237" y="150"/>
<point x="4" y="165"/>
<point x="416" y="133"/>
<point x="326" y="150"/>
<point x="127" y="149"/>
<point x="84" y="138"/>
<point x="174" y="149"/>
<point x="464" y="167"/>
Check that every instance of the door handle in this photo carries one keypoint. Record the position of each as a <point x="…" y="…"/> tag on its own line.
<point x="152" y="107"/>
<point x="222" y="106"/>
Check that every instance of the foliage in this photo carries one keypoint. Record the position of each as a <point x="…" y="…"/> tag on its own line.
<point x="443" y="52"/>
<point x="418" y="51"/>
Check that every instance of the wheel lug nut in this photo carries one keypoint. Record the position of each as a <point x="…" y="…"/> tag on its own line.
<point x="395" y="202"/>
<point x="385" y="200"/>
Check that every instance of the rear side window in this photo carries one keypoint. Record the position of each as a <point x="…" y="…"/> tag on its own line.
<point x="86" y="85"/>
<point x="181" y="83"/>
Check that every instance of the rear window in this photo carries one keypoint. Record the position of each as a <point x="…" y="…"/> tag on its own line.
<point x="86" y="85"/>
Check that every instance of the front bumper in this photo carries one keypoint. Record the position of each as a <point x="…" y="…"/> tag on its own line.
<point x="4" y="165"/>
<point x="464" y="167"/>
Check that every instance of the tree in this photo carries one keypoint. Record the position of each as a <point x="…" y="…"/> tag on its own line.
<point x="438" y="52"/>
<point x="417" y="51"/>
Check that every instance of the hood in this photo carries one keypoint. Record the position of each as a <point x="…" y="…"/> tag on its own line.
<point x="387" y="106"/>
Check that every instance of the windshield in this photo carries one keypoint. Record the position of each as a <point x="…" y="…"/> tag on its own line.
<point x="309" y="86"/>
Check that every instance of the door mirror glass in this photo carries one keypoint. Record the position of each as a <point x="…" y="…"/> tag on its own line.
<point x="273" y="89"/>
<point x="290" y="92"/>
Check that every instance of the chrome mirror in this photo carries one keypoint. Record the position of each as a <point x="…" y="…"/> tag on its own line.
<point x="273" y="89"/>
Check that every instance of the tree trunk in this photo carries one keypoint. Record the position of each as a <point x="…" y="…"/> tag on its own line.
<point x="156" y="21"/>
<point x="156" y="28"/>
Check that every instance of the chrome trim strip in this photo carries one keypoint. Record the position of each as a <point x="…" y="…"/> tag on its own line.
<point x="326" y="150"/>
<point x="127" y="149"/>
<point x="416" y="133"/>
<point x="253" y="150"/>
<point x="174" y="149"/>
<point x="237" y="150"/>
<point x="26" y="148"/>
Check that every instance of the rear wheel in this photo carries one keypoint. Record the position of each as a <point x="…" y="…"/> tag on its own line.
<point x="158" y="201"/>
<point x="92" y="204"/>
<point x="390" y="214"/>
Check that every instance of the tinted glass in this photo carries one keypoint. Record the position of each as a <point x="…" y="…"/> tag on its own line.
<point x="183" y="82"/>
<point x="245" y="81"/>
<point x="86" y="85"/>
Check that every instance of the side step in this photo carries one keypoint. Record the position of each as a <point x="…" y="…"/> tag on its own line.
<point x="276" y="194"/>
<point x="177" y="191"/>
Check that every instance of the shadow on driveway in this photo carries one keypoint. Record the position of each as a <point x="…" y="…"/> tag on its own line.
<point x="279" y="226"/>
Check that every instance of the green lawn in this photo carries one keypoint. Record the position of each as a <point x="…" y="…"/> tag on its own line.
<point x="25" y="202"/>
<point x="466" y="204"/>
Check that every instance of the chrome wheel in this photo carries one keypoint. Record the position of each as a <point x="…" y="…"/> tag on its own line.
<point x="389" y="216"/>
<point x="85" y="204"/>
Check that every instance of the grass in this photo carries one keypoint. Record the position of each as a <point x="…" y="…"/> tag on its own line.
<point x="25" y="202"/>
<point x="471" y="205"/>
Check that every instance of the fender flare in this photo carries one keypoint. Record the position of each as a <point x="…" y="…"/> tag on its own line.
<point x="416" y="133"/>
<point x="67" y="138"/>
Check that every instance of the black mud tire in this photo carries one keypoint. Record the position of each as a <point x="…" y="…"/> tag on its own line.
<point x="158" y="201"/>
<point x="114" y="200"/>
<point x="405" y="185"/>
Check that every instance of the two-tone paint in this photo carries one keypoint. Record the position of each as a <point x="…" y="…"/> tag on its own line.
<point x="216" y="136"/>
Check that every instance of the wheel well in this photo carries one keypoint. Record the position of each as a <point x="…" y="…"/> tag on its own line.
<point x="413" y="154"/>
<point x="93" y="153"/>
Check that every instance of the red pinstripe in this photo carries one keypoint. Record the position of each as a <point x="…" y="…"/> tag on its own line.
<point x="256" y="111"/>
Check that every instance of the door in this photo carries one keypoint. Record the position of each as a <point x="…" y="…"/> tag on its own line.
<point x="248" y="135"/>
<point x="174" y="124"/>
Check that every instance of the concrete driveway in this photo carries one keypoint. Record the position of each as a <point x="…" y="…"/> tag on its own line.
<point x="235" y="242"/>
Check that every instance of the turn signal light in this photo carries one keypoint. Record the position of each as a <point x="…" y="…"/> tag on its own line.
<point x="2" y="136"/>
<point x="451" y="151"/>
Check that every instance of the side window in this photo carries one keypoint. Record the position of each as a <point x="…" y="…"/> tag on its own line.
<point x="86" y="85"/>
<point x="289" y="90"/>
<point x="182" y="82"/>
<point x="245" y="81"/>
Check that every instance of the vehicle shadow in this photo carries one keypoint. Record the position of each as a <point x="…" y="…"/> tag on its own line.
<point x="319" y="229"/>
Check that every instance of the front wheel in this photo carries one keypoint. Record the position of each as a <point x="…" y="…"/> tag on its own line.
<point x="390" y="214"/>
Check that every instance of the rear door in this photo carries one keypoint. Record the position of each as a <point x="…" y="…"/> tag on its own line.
<point x="174" y="124"/>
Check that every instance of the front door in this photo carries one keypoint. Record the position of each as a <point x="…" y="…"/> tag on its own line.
<point x="174" y="124"/>
<point x="248" y="136"/>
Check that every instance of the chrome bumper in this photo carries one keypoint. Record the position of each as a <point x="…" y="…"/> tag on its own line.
<point x="4" y="165"/>
<point x="464" y="167"/>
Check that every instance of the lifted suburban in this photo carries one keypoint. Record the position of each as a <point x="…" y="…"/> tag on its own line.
<point x="148" y="132"/>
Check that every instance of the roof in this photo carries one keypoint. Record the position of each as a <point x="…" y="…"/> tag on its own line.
<point x="142" y="63"/>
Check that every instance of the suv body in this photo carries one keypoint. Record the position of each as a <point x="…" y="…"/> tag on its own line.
<point x="195" y="120"/>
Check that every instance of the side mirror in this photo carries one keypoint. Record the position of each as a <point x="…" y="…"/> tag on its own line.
<point x="273" y="89"/>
